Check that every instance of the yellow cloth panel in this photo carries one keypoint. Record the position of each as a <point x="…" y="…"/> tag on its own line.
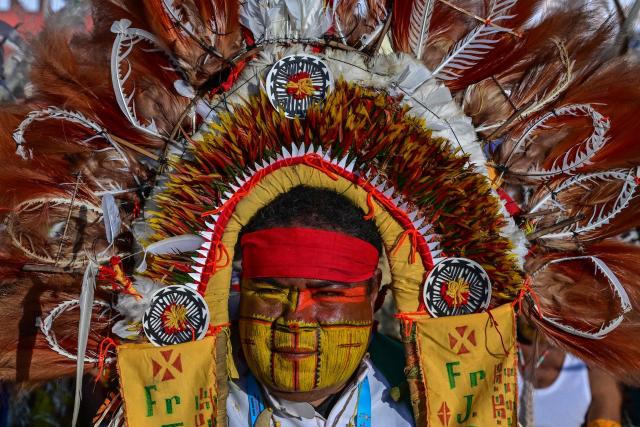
<point x="469" y="367"/>
<point x="407" y="278"/>
<point x="168" y="386"/>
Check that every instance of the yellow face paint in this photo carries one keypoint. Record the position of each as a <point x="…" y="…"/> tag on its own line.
<point x="300" y="356"/>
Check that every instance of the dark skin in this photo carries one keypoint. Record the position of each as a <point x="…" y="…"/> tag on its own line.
<point x="312" y="301"/>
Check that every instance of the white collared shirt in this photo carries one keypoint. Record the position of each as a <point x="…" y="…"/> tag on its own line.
<point x="385" y="412"/>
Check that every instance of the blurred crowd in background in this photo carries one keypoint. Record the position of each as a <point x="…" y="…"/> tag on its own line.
<point x="562" y="387"/>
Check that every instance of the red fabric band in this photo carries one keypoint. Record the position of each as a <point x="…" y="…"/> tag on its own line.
<point x="307" y="253"/>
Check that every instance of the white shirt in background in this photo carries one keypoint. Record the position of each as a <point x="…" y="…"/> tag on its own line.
<point x="564" y="403"/>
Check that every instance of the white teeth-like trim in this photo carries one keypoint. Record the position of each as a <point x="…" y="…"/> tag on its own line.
<point x="433" y="245"/>
<point x="228" y="194"/>
<point x="252" y="171"/>
<point x="375" y="181"/>
<point x="285" y="152"/>
<point x="351" y="165"/>
<point x="203" y="252"/>
<point x="311" y="149"/>
<point x="198" y="260"/>
<point x="197" y="268"/>
<point x="206" y="234"/>
<point x="214" y="217"/>
<point x="397" y="200"/>
<point x="210" y="225"/>
<point x="403" y="207"/>
<point x="279" y="156"/>
<point x="412" y="215"/>
<point x="264" y="164"/>
<point x="294" y="150"/>
<point x="319" y="152"/>
<point x="192" y="286"/>
<point x="207" y="245"/>
<point x="234" y="187"/>
<point x="431" y="238"/>
<point x="388" y="193"/>
<point x="436" y="261"/>
<point x="380" y="187"/>
<point x="327" y="156"/>
<point x="241" y="179"/>
<point x="425" y="229"/>
<point x="195" y="276"/>
<point x="418" y="222"/>
<point x="343" y="162"/>
<point x="435" y="253"/>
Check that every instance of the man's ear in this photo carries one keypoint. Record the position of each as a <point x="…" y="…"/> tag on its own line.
<point x="374" y="287"/>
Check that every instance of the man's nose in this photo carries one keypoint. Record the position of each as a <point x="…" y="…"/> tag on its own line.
<point x="300" y="305"/>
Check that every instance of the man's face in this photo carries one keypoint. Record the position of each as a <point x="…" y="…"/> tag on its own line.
<point x="305" y="338"/>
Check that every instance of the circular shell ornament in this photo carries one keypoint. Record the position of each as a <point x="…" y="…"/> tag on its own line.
<point x="297" y="81"/>
<point x="176" y="314"/>
<point x="456" y="286"/>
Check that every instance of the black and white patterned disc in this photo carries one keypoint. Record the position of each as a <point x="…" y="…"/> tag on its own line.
<point x="457" y="286"/>
<point x="297" y="81"/>
<point x="176" y="314"/>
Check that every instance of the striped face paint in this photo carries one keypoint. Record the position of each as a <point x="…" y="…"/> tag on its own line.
<point x="302" y="335"/>
<point x="300" y="356"/>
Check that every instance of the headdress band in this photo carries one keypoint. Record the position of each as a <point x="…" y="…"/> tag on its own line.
<point x="307" y="253"/>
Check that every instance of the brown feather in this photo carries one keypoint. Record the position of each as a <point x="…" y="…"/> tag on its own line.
<point x="571" y="292"/>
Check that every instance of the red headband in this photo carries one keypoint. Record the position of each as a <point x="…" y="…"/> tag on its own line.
<point x="307" y="253"/>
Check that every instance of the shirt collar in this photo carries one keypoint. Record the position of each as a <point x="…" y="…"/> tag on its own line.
<point x="304" y="410"/>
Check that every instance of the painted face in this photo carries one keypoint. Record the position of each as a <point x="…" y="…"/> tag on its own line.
<point x="305" y="337"/>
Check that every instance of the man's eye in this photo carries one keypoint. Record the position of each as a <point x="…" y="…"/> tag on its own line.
<point x="328" y="294"/>
<point x="268" y="291"/>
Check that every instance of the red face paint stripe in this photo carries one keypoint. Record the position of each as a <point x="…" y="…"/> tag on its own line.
<point x="305" y="300"/>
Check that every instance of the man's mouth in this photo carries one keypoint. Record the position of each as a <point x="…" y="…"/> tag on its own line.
<point x="294" y="353"/>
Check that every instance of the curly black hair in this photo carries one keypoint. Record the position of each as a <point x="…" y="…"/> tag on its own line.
<point x="311" y="207"/>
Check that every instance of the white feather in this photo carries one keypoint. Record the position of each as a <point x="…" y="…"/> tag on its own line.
<point x="132" y="308"/>
<point x="86" y="309"/>
<point x="171" y="245"/>
<point x="419" y="26"/>
<point x="468" y="51"/>
<point x="361" y="9"/>
<point x="111" y="217"/>
<point x="310" y="17"/>
<point x="254" y="15"/>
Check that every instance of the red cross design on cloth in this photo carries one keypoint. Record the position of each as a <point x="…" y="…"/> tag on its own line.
<point x="166" y="368"/>
<point x="444" y="414"/>
<point x="462" y="340"/>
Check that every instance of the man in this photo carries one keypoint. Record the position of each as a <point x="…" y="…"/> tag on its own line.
<point x="309" y="284"/>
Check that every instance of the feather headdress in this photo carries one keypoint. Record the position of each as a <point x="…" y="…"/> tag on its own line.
<point x="487" y="131"/>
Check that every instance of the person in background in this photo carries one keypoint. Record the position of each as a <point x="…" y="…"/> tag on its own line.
<point x="558" y="389"/>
